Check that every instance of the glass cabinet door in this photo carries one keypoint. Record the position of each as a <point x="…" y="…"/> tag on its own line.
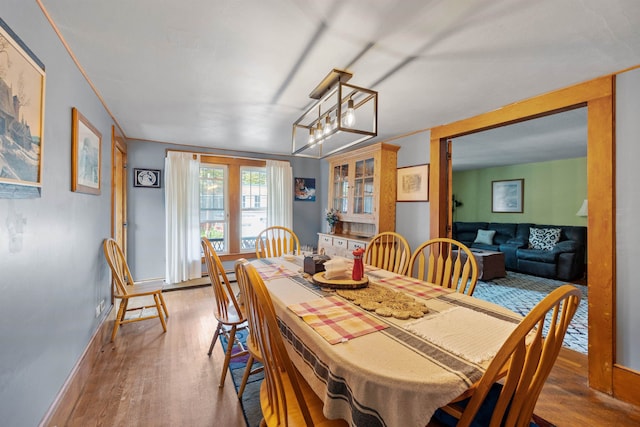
<point x="363" y="187"/>
<point x="341" y="188"/>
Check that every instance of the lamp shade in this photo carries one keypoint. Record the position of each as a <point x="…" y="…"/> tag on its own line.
<point x="583" y="209"/>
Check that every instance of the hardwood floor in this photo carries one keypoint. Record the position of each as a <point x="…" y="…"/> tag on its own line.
<point x="147" y="378"/>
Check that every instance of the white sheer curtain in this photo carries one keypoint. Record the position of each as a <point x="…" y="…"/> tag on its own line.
<point x="182" y="213"/>
<point x="280" y="194"/>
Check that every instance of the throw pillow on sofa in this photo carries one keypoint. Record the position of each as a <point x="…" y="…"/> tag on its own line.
<point x="485" y="237"/>
<point x="543" y="238"/>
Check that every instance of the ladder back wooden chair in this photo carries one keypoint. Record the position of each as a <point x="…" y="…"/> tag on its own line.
<point x="255" y="356"/>
<point x="277" y="241"/>
<point x="524" y="362"/>
<point x="389" y="251"/>
<point x="227" y="311"/>
<point x="286" y="398"/>
<point x="125" y="289"/>
<point x="445" y="262"/>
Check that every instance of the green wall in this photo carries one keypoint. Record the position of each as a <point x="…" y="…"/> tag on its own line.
<point x="553" y="192"/>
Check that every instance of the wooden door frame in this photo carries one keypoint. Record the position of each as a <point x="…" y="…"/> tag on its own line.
<point x="118" y="144"/>
<point x="598" y="96"/>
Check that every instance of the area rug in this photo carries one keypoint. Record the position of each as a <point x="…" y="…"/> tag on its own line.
<point x="520" y="293"/>
<point x="251" y="396"/>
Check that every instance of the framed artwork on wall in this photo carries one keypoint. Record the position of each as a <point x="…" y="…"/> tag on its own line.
<point x="507" y="196"/>
<point x="413" y="183"/>
<point x="305" y="189"/>
<point x="86" y="143"/>
<point x="22" y="84"/>
<point x="149" y="178"/>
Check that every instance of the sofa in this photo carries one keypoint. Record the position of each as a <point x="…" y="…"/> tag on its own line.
<point x="551" y="251"/>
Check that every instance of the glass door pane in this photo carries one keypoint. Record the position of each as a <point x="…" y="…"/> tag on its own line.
<point x="341" y="188"/>
<point x="253" y="205"/>
<point x="213" y="206"/>
<point x="363" y="191"/>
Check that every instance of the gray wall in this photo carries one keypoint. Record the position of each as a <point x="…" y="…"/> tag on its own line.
<point x="146" y="213"/>
<point x="627" y="229"/>
<point x="412" y="218"/>
<point x="52" y="269"/>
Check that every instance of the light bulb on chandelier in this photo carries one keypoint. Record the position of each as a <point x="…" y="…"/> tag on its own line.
<point x="349" y="118"/>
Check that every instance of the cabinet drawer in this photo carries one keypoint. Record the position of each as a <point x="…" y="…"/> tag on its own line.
<point x="340" y="243"/>
<point x="352" y="245"/>
<point x="325" y="240"/>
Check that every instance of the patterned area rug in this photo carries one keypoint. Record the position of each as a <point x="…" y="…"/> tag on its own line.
<point x="521" y="292"/>
<point x="251" y="395"/>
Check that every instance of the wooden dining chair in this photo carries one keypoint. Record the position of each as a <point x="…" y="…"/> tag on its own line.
<point x="255" y="356"/>
<point x="277" y="241"/>
<point x="389" y="251"/>
<point x="227" y="310"/>
<point x="125" y="290"/>
<point x="445" y="262"/>
<point x="524" y="361"/>
<point x="286" y="398"/>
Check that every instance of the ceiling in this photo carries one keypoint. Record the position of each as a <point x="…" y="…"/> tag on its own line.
<point x="237" y="73"/>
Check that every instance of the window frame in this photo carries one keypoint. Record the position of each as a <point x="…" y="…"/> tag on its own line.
<point x="233" y="197"/>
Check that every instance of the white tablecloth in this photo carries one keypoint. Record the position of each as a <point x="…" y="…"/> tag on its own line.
<point x="394" y="377"/>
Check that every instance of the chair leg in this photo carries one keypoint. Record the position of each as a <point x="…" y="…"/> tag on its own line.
<point x="156" y="298"/>
<point x="164" y="306"/>
<point x="215" y="338"/>
<point x="245" y="376"/>
<point x="119" y="318"/>
<point x="227" y="356"/>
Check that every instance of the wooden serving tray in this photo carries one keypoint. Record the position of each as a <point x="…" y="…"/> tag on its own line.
<point x="319" y="279"/>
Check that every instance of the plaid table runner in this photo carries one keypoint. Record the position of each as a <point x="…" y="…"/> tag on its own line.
<point x="336" y="320"/>
<point x="273" y="271"/>
<point x="415" y="287"/>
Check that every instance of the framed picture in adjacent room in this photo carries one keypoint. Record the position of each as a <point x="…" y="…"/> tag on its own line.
<point x="85" y="155"/>
<point x="507" y="196"/>
<point x="413" y="184"/>
<point x="149" y="178"/>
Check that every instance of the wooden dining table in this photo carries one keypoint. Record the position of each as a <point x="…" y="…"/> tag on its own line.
<point x="372" y="370"/>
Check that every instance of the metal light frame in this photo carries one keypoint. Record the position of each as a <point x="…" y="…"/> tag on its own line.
<point x="333" y="95"/>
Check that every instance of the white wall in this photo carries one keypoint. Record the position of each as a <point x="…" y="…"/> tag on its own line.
<point x="627" y="228"/>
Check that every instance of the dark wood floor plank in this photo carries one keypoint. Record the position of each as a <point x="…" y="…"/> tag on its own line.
<point x="147" y="378"/>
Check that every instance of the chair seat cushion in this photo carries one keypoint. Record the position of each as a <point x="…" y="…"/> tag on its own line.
<point x="483" y="417"/>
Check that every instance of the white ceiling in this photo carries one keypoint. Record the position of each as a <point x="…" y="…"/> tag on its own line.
<point x="237" y="73"/>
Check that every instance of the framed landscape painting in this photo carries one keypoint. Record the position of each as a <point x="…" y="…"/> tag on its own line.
<point x="85" y="155"/>
<point x="413" y="184"/>
<point x="507" y="196"/>
<point x="22" y="81"/>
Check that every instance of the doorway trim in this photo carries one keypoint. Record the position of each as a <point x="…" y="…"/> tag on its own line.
<point x="598" y="96"/>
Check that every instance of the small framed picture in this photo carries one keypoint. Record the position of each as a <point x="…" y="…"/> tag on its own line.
<point x="507" y="196"/>
<point x="413" y="184"/>
<point x="85" y="155"/>
<point x="149" y="178"/>
<point x="305" y="190"/>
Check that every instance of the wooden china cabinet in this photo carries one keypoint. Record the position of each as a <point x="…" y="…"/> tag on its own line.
<point x="362" y="187"/>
